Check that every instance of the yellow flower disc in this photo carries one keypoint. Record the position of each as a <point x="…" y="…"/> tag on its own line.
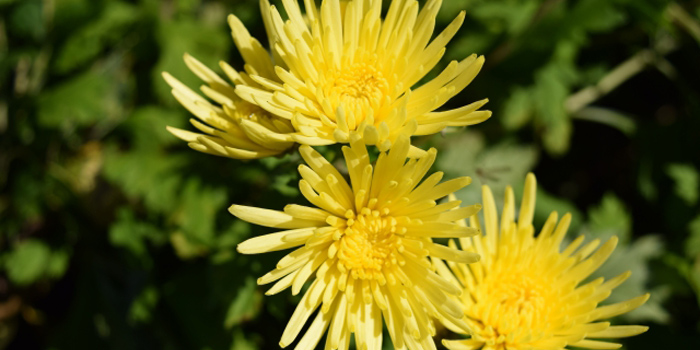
<point x="526" y="293"/>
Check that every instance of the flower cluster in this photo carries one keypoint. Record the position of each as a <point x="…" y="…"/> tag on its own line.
<point x="366" y="252"/>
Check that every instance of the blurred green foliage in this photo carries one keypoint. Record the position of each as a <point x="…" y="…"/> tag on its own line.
<point x="114" y="235"/>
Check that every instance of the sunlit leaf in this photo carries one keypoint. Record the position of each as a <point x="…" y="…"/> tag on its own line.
<point x="92" y="94"/>
<point x="687" y="181"/>
<point x="28" y="262"/>
<point x="635" y="257"/>
<point x="610" y="218"/>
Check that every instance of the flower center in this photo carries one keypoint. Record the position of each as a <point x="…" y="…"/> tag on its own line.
<point x="368" y="245"/>
<point x="515" y="305"/>
<point x="360" y="87"/>
<point x="520" y="295"/>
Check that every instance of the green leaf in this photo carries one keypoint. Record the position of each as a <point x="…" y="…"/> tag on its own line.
<point x="184" y="248"/>
<point x="687" y="181"/>
<point x="551" y="92"/>
<point x="238" y="230"/>
<point x="199" y="207"/>
<point x="518" y="109"/>
<point x="27" y="19"/>
<point x="147" y="126"/>
<point x="595" y="15"/>
<point x="141" y="310"/>
<point x="106" y="30"/>
<point x="610" y="218"/>
<point x="187" y="36"/>
<point x="68" y="14"/>
<point x="146" y="175"/>
<point x="692" y="243"/>
<point x="514" y="16"/>
<point x="240" y="342"/>
<point x="58" y="264"/>
<point x="635" y="257"/>
<point x="91" y="96"/>
<point x="505" y="164"/>
<point x="131" y="234"/>
<point x="450" y="9"/>
<point x="645" y="181"/>
<point x="609" y="117"/>
<point x="548" y="203"/>
<point x="246" y="304"/>
<point x="28" y="262"/>
<point x="286" y="184"/>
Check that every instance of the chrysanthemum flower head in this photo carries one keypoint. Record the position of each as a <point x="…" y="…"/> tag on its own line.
<point x="367" y="242"/>
<point x="526" y="293"/>
<point x="345" y="69"/>
<point x="232" y="127"/>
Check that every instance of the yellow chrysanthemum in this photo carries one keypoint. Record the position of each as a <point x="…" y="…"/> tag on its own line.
<point x="233" y="127"/>
<point x="344" y="69"/>
<point x="368" y="244"/>
<point x="527" y="294"/>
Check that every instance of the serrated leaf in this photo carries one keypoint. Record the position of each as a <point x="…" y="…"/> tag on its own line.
<point x="635" y="257"/>
<point x="90" y="94"/>
<point x="498" y="166"/>
<point x="459" y="153"/>
<point x="147" y="175"/>
<point x="514" y="16"/>
<point x="505" y="164"/>
<point x="246" y="304"/>
<point x="129" y="233"/>
<point x="548" y="203"/>
<point x="610" y="218"/>
<point x="28" y="262"/>
<point x="687" y="181"/>
<point x="595" y="15"/>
